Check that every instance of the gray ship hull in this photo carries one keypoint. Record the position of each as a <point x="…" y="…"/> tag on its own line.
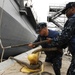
<point x="14" y="29"/>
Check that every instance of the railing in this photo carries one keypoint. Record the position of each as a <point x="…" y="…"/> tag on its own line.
<point x="55" y="16"/>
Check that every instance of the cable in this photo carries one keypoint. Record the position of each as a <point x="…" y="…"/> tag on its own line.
<point x="0" y="29"/>
<point x="2" y="54"/>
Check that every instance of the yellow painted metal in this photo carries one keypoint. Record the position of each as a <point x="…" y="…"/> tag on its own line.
<point x="33" y="58"/>
<point x="27" y="70"/>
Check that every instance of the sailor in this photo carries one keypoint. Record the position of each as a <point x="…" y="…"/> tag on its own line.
<point x="67" y="37"/>
<point x="54" y="57"/>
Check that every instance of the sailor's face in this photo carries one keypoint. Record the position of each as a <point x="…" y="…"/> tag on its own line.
<point x="42" y="32"/>
<point x="69" y="12"/>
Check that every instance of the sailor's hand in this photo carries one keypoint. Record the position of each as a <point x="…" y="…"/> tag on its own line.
<point x="31" y="45"/>
<point x="49" y="40"/>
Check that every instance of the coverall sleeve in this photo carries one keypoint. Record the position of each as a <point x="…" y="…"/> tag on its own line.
<point x="38" y="39"/>
<point x="66" y="34"/>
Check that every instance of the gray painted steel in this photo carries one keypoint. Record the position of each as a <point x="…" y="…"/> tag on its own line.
<point x="15" y="29"/>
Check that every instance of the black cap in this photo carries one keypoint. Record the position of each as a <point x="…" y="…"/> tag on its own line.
<point x="40" y="26"/>
<point x="69" y="5"/>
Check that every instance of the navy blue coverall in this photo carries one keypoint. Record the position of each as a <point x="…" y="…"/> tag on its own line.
<point x="54" y="57"/>
<point x="67" y="38"/>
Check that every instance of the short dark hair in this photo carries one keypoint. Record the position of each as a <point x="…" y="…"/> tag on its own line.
<point x="69" y="5"/>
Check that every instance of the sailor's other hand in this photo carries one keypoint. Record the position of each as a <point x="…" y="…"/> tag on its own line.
<point x="31" y="45"/>
<point x="49" y="40"/>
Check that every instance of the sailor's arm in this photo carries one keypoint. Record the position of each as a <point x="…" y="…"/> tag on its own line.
<point x="65" y="36"/>
<point x="37" y="40"/>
